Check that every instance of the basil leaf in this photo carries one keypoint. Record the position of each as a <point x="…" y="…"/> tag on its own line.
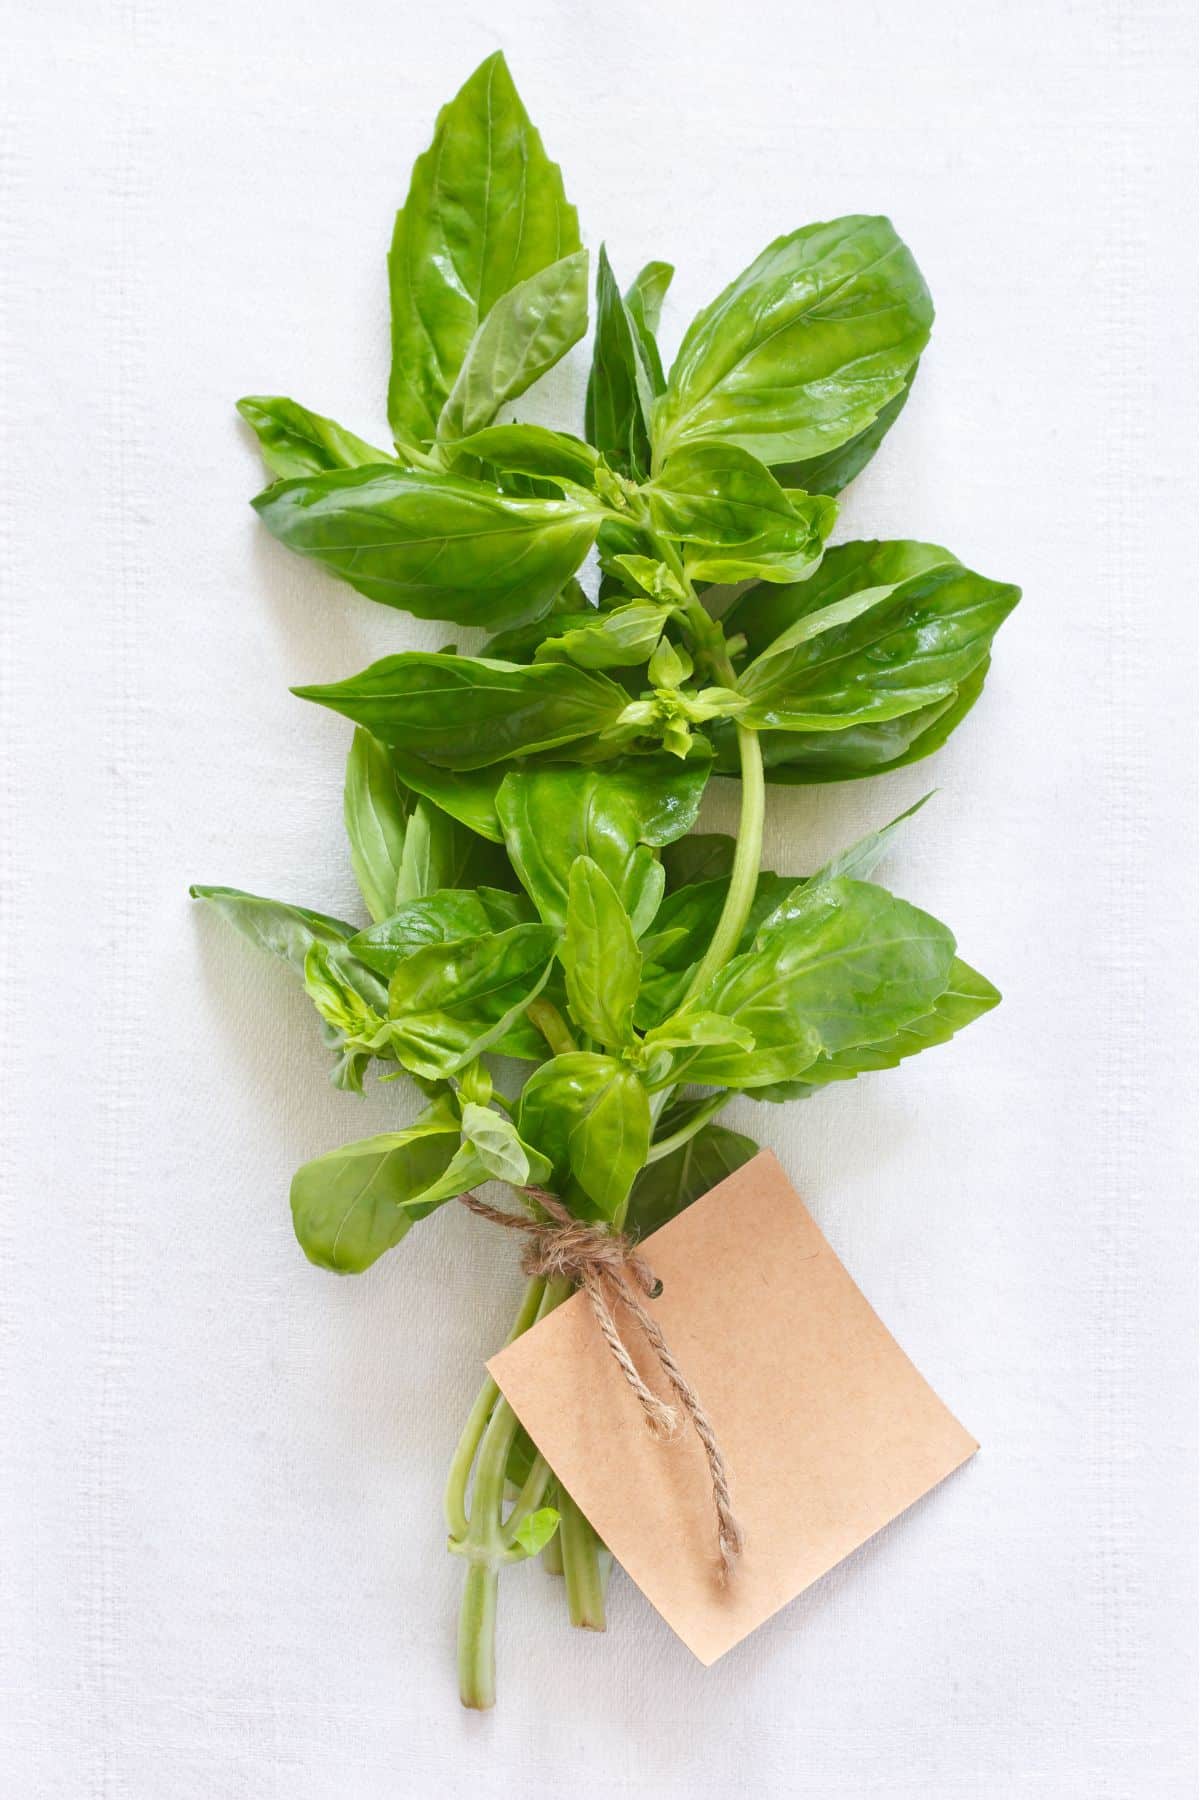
<point x="830" y="472"/>
<point x="276" y="926"/>
<point x="858" y="862"/>
<point x="611" y="813"/>
<point x="462" y="713"/>
<point x="534" y="1533"/>
<point x="620" y="390"/>
<point x="714" y="493"/>
<point x="622" y="638"/>
<point x="438" y="918"/>
<point x="486" y="210"/>
<point x="532" y="450"/>
<point x="526" y="332"/>
<point x="878" y="653"/>
<point x="438" y="545"/>
<point x="467" y="795"/>
<point x="499" y="1148"/>
<point x="665" y="1187"/>
<point x="853" y="965"/>
<point x="804" y="349"/>
<point x="967" y="997"/>
<point x="600" y="956"/>
<point x="376" y="808"/>
<point x="451" y="1002"/>
<point x="643" y="302"/>
<point x="762" y="614"/>
<point x="701" y="856"/>
<point x="440" y="853"/>
<point x="352" y="1204"/>
<point x="294" y="441"/>
<point x="591" y="1116"/>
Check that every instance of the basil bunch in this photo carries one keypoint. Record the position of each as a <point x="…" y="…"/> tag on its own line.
<point x="520" y="818"/>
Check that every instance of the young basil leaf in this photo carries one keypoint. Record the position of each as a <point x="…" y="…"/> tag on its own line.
<point x="438" y="918"/>
<point x="440" y="853"/>
<point x="486" y="210"/>
<point x="340" y="1002"/>
<point x="461" y="712"/>
<point x="665" y="1187"/>
<point x="591" y="1116"/>
<point x="714" y="493"/>
<point x="600" y="956"/>
<point x="376" y="807"/>
<point x="854" y="965"/>
<point x="620" y="390"/>
<point x="276" y="926"/>
<point x="467" y="795"/>
<point x="294" y="441"/>
<point x="620" y="639"/>
<point x="450" y="1002"/>
<point x="878" y="653"/>
<point x="438" y="545"/>
<point x="526" y="332"/>
<point x="499" y="1148"/>
<point x="611" y="813"/>
<point x="834" y="470"/>
<point x="763" y="614"/>
<point x="785" y="555"/>
<point x="532" y="450"/>
<point x="858" y="862"/>
<point x="804" y="349"/>
<point x="654" y="578"/>
<point x="534" y="1533"/>
<point x="352" y="1204"/>
<point x="643" y="302"/>
<point x="966" y="998"/>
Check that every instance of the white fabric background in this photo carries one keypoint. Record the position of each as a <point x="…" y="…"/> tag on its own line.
<point x="221" y="1561"/>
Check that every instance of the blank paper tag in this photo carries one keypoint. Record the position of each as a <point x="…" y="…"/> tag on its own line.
<point x="827" y="1429"/>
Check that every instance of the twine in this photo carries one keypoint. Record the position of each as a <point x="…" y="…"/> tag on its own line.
<point x="606" y="1266"/>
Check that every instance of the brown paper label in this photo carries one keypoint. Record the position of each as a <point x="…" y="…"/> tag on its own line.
<point x="827" y="1429"/>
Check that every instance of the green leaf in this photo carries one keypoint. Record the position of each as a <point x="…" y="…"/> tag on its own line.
<point x="620" y="639"/>
<point x="445" y="917"/>
<point x="498" y="1145"/>
<point x="376" y="807"/>
<point x="590" y="1116"/>
<point x="532" y="450"/>
<point x="643" y="301"/>
<point x="440" y="853"/>
<point x="294" y="441"/>
<point x="439" y="546"/>
<point x="452" y="1001"/>
<point x="600" y="956"/>
<point x="461" y="712"/>
<point x="535" y="1532"/>
<point x="804" y="350"/>
<point x="853" y="965"/>
<point x="714" y="493"/>
<point x="620" y="390"/>
<point x="526" y="332"/>
<point x="858" y="862"/>
<point x="967" y="997"/>
<point x="610" y="812"/>
<point x="701" y="856"/>
<point x="877" y="652"/>
<point x="665" y="1187"/>
<point x="486" y="210"/>
<point x="352" y="1204"/>
<point x="276" y="926"/>
<point x="834" y="470"/>
<point x="763" y="614"/>
<point x="467" y="795"/>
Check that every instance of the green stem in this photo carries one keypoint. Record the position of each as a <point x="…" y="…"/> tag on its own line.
<point x="747" y="859"/>
<point x="664" y="1146"/>
<point x="477" y="1637"/>
<point x="477" y="1421"/>
<point x="581" y="1553"/>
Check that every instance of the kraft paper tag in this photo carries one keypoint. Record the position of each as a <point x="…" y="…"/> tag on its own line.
<point x="827" y="1428"/>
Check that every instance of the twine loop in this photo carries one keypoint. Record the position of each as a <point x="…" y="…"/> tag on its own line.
<point x="609" y="1269"/>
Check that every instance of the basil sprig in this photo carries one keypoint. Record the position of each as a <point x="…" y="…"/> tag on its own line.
<point x="574" y="978"/>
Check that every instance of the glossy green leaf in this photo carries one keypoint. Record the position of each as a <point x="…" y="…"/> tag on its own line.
<point x="875" y="653"/>
<point x="763" y="614"/>
<point x="834" y="470"/>
<point x="643" y="301"/>
<point x="534" y="1533"/>
<point x="441" y="853"/>
<point x="452" y="1001"/>
<point x="526" y="332"/>
<point x="532" y="450"/>
<point x="612" y="812"/>
<point x="620" y="390"/>
<point x="852" y="966"/>
<point x="486" y="210"/>
<point x="376" y="807"/>
<point x="804" y="350"/>
<point x="461" y="712"/>
<point x="440" y="546"/>
<point x="665" y="1187"/>
<point x="967" y="997"/>
<point x="590" y="1115"/>
<point x="701" y="856"/>
<point x="620" y="639"/>
<point x="600" y="956"/>
<point x="858" y="862"/>
<point x="352" y="1204"/>
<point x="276" y="926"/>
<point x="438" y="918"/>
<point x="713" y="493"/>
<point x="294" y="441"/>
<point x="499" y="1148"/>
<point x="468" y="795"/>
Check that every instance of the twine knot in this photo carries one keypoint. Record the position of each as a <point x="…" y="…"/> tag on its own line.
<point x="609" y="1268"/>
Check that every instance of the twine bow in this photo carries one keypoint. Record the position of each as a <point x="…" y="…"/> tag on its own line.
<point x="608" y="1268"/>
